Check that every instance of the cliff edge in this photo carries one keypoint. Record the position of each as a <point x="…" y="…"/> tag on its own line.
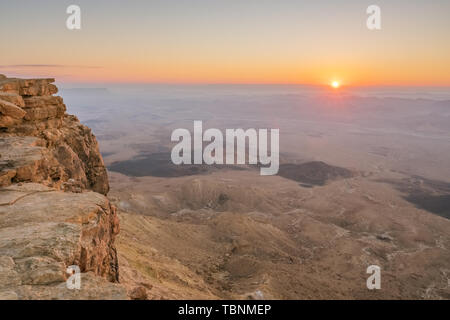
<point x="53" y="207"/>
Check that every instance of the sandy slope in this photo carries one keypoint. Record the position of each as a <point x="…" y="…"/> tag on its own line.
<point x="235" y="234"/>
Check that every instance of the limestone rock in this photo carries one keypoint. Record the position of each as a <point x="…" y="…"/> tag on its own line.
<point x="11" y="110"/>
<point x="12" y="98"/>
<point x="92" y="288"/>
<point x="53" y="209"/>
<point x="47" y="107"/>
<point x="24" y="159"/>
<point x="7" y="121"/>
<point x="138" y="293"/>
<point x="44" y="107"/>
<point x="28" y="109"/>
<point x="28" y="87"/>
<point x="43" y="231"/>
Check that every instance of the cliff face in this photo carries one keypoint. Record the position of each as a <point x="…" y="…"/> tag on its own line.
<point x="69" y="155"/>
<point x="53" y="209"/>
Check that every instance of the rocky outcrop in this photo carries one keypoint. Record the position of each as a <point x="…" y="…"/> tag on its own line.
<point x="69" y="149"/>
<point x="43" y="231"/>
<point x="53" y="208"/>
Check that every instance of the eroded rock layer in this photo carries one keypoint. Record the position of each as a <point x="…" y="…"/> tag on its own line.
<point x="53" y="209"/>
<point x="70" y="150"/>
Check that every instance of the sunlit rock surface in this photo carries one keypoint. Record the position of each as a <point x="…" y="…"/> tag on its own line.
<point x="53" y="209"/>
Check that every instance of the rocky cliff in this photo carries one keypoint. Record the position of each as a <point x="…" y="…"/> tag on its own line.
<point x="62" y="152"/>
<point x="53" y="209"/>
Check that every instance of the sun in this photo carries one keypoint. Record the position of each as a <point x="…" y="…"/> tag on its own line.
<point x="335" y="84"/>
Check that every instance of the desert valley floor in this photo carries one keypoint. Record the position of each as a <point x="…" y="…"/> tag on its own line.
<point x="359" y="184"/>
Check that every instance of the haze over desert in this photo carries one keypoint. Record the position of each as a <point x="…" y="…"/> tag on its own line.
<point x="236" y="159"/>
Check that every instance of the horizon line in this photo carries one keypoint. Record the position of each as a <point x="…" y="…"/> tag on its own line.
<point x="343" y="86"/>
<point x="229" y="83"/>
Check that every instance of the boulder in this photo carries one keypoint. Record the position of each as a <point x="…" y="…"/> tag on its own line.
<point x="138" y="293"/>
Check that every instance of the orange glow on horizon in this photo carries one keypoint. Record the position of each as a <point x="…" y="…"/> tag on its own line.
<point x="294" y="43"/>
<point x="240" y="73"/>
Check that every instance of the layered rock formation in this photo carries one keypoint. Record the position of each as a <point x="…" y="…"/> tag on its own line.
<point x="69" y="151"/>
<point x="53" y="209"/>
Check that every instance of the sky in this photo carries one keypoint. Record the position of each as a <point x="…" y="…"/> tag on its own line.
<point x="229" y="41"/>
